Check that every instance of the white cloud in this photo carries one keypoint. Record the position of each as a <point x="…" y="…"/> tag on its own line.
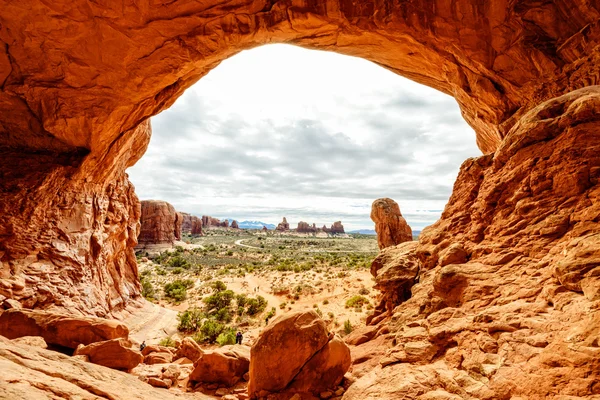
<point x="315" y="136"/>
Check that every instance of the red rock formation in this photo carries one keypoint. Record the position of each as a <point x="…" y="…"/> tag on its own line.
<point x="191" y="224"/>
<point x="210" y="221"/>
<point x="265" y="229"/>
<point x="235" y="225"/>
<point x="283" y="226"/>
<point x="390" y="225"/>
<point x="160" y="223"/>
<point x="508" y="274"/>
<point x="310" y="361"/>
<point x="177" y="227"/>
<point x="304" y="227"/>
<point x="59" y="329"/>
<point x="337" y="227"/>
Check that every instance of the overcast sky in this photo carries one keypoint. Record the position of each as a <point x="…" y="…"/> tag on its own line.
<point x="314" y="136"/>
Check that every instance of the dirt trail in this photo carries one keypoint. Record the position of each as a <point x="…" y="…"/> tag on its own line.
<point x="239" y="243"/>
<point x="151" y="323"/>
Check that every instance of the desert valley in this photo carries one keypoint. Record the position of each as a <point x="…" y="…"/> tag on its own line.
<point x="104" y="295"/>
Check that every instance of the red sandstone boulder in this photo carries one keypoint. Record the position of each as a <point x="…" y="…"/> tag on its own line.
<point x="160" y="223"/>
<point x="283" y="226"/>
<point x="155" y="348"/>
<point x="59" y="329"/>
<point x="36" y="341"/>
<point x="225" y="365"/>
<point x="115" y="353"/>
<point x="189" y="349"/>
<point x="158" y="357"/>
<point x="293" y="352"/>
<point x="390" y="226"/>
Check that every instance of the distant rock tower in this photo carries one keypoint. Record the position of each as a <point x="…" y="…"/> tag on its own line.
<point x="283" y="226"/>
<point x="390" y="225"/>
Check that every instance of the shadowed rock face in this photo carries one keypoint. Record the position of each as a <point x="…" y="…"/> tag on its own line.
<point x="505" y="300"/>
<point x="191" y="224"/>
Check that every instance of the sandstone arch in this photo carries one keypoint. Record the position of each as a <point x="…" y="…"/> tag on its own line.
<point x="79" y="80"/>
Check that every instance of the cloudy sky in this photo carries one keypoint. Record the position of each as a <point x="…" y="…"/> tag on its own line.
<point x="314" y="136"/>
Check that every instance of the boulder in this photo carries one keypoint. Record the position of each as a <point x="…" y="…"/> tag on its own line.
<point x="36" y="341"/>
<point x="155" y="348"/>
<point x="390" y="225"/>
<point x="59" y="329"/>
<point x="225" y="365"/>
<point x="115" y="353"/>
<point x="161" y="357"/>
<point x="325" y="370"/>
<point x="189" y="349"/>
<point x="308" y="353"/>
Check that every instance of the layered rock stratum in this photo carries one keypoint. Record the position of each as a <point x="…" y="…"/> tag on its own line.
<point x="505" y="303"/>
<point x="160" y="223"/>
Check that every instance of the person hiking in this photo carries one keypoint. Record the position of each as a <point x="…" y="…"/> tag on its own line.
<point x="238" y="338"/>
<point x="143" y="345"/>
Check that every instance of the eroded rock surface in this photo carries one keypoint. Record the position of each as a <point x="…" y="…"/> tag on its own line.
<point x="191" y="224"/>
<point x="115" y="353"/>
<point x="506" y="304"/>
<point x="33" y="373"/>
<point x="390" y="225"/>
<point x="283" y="226"/>
<point x="160" y="223"/>
<point x="59" y="329"/>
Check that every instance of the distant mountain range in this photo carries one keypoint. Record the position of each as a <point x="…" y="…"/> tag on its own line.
<point x="255" y="225"/>
<point x="365" y="231"/>
<point x="372" y="232"/>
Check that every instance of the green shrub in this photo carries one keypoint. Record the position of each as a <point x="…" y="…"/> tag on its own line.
<point x="347" y="327"/>
<point x="176" y="271"/>
<point x="356" y="301"/>
<point x="219" y="300"/>
<point x="364" y="291"/>
<point x="325" y="301"/>
<point x="177" y="290"/>
<point x="211" y="330"/>
<point x="223" y="315"/>
<point x="218" y="286"/>
<point x="227" y="337"/>
<point x="167" y="342"/>
<point x="178" y="262"/>
<point x="256" y="305"/>
<point x="241" y="300"/>
<point x="148" y="290"/>
<point x="190" y="320"/>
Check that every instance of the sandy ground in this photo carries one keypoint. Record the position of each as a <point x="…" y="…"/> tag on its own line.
<point x="151" y="323"/>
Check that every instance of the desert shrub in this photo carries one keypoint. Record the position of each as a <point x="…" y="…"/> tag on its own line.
<point x="190" y="320"/>
<point x="178" y="262"/>
<point x="256" y="305"/>
<point x="282" y="305"/>
<point x="331" y="315"/>
<point x="148" y="290"/>
<point x="271" y="313"/>
<point x="356" y="301"/>
<point x="241" y="300"/>
<point x="218" y="286"/>
<point x="318" y="310"/>
<point x="176" y="271"/>
<point x="167" y="342"/>
<point x="219" y="300"/>
<point x="223" y="315"/>
<point x="160" y="271"/>
<point x="227" y="337"/>
<point x="347" y="327"/>
<point x="178" y="249"/>
<point x="325" y="301"/>
<point x="364" y="291"/>
<point x="210" y="331"/>
<point x="177" y="290"/>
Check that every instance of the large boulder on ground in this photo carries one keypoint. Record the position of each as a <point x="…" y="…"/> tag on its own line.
<point x="159" y="357"/>
<point x="225" y="365"/>
<point x="36" y="341"/>
<point x="115" y="353"/>
<point x="325" y="370"/>
<point x="189" y="349"/>
<point x="58" y="329"/>
<point x="390" y="225"/>
<point x="292" y="352"/>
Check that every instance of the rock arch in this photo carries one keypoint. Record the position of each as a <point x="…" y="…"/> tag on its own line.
<point x="79" y="80"/>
